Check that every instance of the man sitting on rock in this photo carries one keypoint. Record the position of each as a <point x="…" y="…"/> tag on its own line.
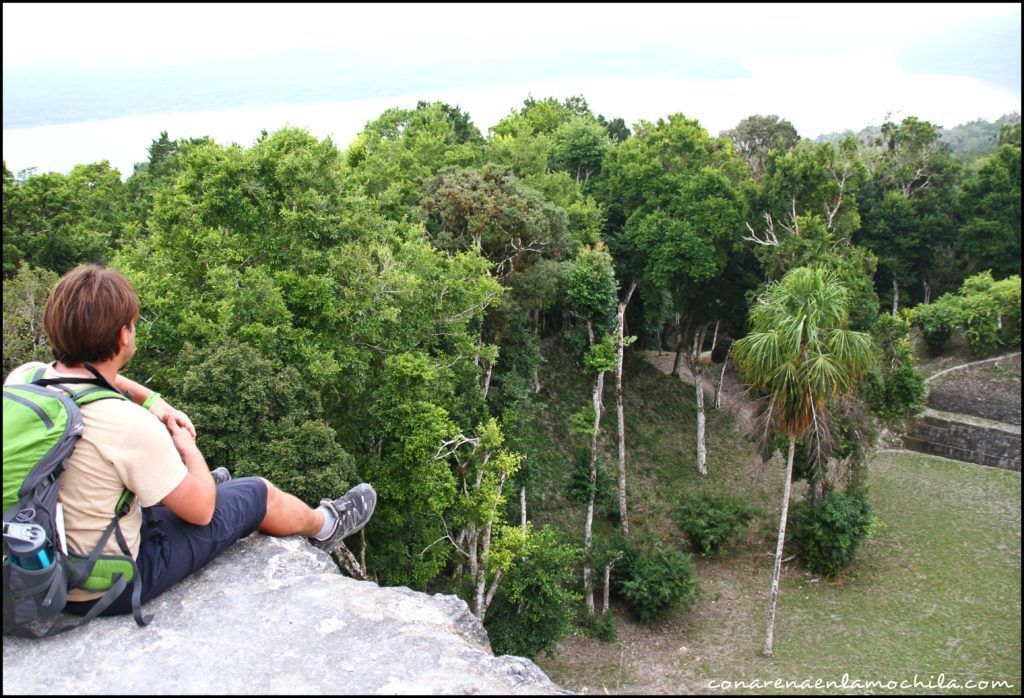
<point x="147" y="447"/>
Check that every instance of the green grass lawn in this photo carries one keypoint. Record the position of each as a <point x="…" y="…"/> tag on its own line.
<point x="936" y="590"/>
<point x="660" y="416"/>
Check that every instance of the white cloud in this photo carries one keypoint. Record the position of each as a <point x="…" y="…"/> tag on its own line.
<point x="817" y="102"/>
<point x="104" y="34"/>
<point x="823" y="67"/>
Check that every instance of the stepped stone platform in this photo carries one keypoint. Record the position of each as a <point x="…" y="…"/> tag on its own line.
<point x="973" y="415"/>
<point x="967" y="438"/>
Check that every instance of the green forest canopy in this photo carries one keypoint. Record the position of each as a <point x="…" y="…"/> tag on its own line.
<point x="376" y="312"/>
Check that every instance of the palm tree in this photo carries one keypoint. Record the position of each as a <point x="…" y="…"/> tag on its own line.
<point x="800" y="352"/>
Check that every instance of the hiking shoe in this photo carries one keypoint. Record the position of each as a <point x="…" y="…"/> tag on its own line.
<point x="220" y="476"/>
<point x="353" y="510"/>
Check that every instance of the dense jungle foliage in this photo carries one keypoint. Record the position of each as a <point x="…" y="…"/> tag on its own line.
<point x="375" y="312"/>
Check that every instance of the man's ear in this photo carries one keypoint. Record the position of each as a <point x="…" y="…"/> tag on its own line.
<point x="124" y="337"/>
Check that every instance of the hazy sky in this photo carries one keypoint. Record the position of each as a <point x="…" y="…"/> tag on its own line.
<point x="81" y="78"/>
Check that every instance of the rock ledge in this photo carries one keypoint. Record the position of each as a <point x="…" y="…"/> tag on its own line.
<point x="273" y="615"/>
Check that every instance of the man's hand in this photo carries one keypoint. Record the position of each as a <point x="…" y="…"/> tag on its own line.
<point x="158" y="406"/>
<point x="170" y="416"/>
<point x="184" y="440"/>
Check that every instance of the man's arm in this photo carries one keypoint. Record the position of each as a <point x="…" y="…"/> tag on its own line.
<point x="159" y="407"/>
<point x="194" y="499"/>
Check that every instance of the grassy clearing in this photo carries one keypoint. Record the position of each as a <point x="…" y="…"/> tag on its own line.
<point x="660" y="415"/>
<point x="936" y="590"/>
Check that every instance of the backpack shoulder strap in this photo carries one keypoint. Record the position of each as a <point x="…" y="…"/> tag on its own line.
<point x="97" y="387"/>
<point x="94" y="393"/>
<point x="97" y="379"/>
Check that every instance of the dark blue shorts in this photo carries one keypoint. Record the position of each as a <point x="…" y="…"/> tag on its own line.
<point x="172" y="549"/>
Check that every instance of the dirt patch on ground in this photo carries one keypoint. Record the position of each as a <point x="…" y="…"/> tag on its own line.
<point x="677" y="655"/>
<point x="734" y="393"/>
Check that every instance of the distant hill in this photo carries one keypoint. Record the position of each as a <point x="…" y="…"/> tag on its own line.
<point x="969" y="141"/>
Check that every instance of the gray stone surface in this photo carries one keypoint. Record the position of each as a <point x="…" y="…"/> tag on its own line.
<point x="966" y="438"/>
<point x="990" y="390"/>
<point x="275" y="616"/>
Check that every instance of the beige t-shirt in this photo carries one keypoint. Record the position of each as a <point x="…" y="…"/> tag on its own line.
<point x="122" y="446"/>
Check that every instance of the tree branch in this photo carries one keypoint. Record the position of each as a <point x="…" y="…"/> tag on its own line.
<point x="348" y="561"/>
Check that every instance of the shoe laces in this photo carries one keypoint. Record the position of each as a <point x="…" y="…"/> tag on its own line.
<point x="337" y="507"/>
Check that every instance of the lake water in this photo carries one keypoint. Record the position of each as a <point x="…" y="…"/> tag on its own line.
<point x="718" y="105"/>
<point x="124" y="141"/>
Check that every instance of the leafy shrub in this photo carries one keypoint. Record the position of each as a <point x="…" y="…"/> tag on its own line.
<point x="988" y="312"/>
<point x="895" y="393"/>
<point x="894" y="388"/>
<point x="829" y="534"/>
<point x="938" y="322"/>
<point x="25" y="295"/>
<point x="533" y="608"/>
<point x="603" y="627"/>
<point x="653" y="581"/>
<point x="710" y="522"/>
<point x="257" y="417"/>
<point x="578" y="489"/>
<point x="854" y="432"/>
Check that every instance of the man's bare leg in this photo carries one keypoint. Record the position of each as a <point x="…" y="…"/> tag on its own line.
<point x="288" y="515"/>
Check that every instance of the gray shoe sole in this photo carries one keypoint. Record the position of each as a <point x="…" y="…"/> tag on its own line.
<point x="220" y="476"/>
<point x="367" y="497"/>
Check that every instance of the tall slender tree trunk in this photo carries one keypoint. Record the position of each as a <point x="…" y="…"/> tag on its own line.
<point x="620" y="412"/>
<point x="767" y="651"/>
<point x="489" y="369"/>
<point x="608" y="565"/>
<point x="927" y="291"/>
<point x="487" y="379"/>
<point x="721" y="379"/>
<point x="588" y="583"/>
<point x="481" y="536"/>
<point x="895" y="296"/>
<point x="522" y="505"/>
<point x="702" y="449"/>
<point x="480" y="607"/>
<point x="680" y="346"/>
<point x="607" y="587"/>
<point x="698" y="384"/>
<point x="459" y="542"/>
<point x="471" y="543"/>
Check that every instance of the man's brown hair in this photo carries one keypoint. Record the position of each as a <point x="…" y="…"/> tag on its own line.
<point x="85" y="314"/>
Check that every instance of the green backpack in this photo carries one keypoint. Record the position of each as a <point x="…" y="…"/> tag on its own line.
<point x="42" y="425"/>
